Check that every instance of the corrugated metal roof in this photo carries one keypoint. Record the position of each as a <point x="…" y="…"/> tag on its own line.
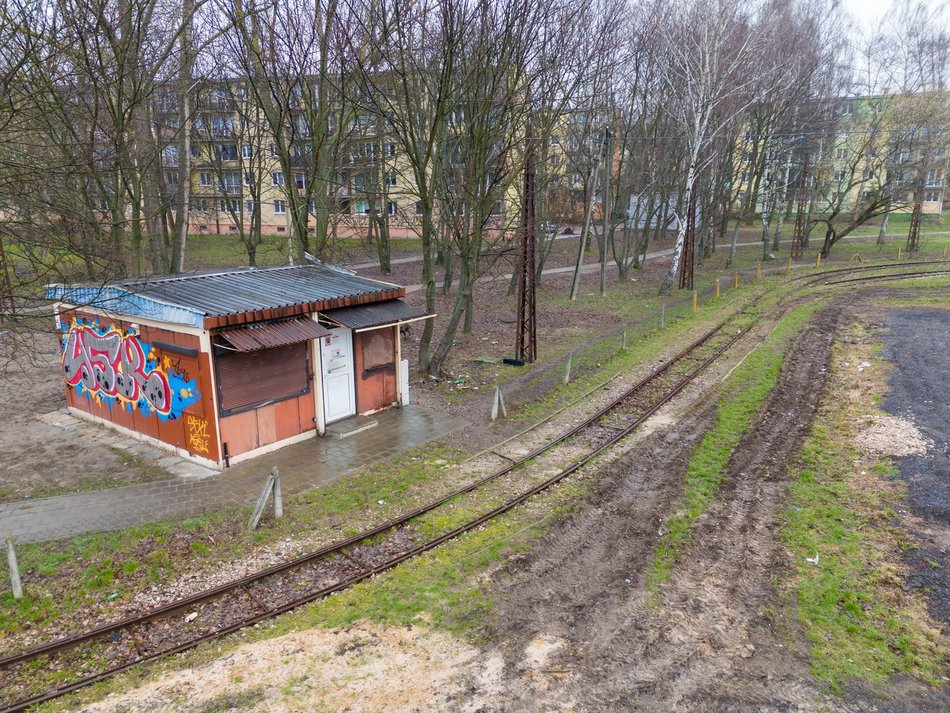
<point x="238" y="291"/>
<point x="376" y="314"/>
<point x="266" y="335"/>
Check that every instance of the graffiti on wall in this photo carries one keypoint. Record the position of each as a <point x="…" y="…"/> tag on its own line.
<point x="109" y="366"/>
<point x="199" y="439"/>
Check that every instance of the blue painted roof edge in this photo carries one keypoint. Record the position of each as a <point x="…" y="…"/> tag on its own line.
<point x="122" y="302"/>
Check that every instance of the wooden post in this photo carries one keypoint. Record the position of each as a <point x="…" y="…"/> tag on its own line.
<point x="718" y="288"/>
<point x="623" y="340"/>
<point x="278" y="495"/>
<point x="15" y="583"/>
<point x="788" y="266"/>
<point x="695" y="301"/>
<point x="758" y="271"/>
<point x="567" y="368"/>
<point x="945" y="252"/>
<point x="735" y="280"/>
<point x="663" y="316"/>
<point x="818" y="260"/>
<point x="898" y="252"/>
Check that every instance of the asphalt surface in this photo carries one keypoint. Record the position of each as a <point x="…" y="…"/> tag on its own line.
<point x="918" y="344"/>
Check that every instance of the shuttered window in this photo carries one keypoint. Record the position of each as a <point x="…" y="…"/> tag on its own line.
<point x="378" y="349"/>
<point x="249" y="380"/>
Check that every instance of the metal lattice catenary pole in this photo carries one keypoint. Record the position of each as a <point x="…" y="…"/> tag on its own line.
<point x="798" y="239"/>
<point x="526" y="340"/>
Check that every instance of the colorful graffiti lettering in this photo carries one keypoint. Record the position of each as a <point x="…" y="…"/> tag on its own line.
<point x="198" y="436"/>
<point x="104" y="364"/>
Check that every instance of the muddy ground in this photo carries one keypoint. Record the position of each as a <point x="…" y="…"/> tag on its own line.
<point x="578" y="629"/>
<point x="582" y="596"/>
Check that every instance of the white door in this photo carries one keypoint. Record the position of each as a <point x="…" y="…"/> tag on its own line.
<point x="339" y="388"/>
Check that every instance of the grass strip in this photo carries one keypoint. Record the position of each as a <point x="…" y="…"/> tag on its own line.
<point x="843" y="531"/>
<point x="745" y="391"/>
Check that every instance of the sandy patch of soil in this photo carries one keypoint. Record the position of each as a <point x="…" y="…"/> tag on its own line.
<point x="893" y="436"/>
<point x="366" y="668"/>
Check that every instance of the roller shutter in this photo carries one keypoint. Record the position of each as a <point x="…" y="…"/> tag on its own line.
<point x="249" y="380"/>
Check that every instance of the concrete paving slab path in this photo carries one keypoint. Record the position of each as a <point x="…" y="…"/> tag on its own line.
<point x="303" y="466"/>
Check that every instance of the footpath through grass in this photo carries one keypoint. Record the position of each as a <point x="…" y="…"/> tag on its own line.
<point x="746" y="389"/>
<point x="844" y="533"/>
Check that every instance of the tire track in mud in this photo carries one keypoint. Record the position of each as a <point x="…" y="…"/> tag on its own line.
<point x="577" y="630"/>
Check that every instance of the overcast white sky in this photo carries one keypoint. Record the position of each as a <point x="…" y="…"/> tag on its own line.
<point x="868" y="13"/>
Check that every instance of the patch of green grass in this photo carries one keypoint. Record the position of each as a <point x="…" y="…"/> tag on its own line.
<point x="746" y="390"/>
<point x="851" y="602"/>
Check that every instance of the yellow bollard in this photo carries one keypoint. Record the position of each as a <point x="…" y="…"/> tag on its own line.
<point x="695" y="301"/>
<point x="758" y="271"/>
<point x="818" y="260"/>
<point x="898" y="252"/>
<point x="735" y="281"/>
<point x="717" y="288"/>
<point x="788" y="266"/>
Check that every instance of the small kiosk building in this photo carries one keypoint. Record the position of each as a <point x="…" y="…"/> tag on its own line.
<point x="229" y="365"/>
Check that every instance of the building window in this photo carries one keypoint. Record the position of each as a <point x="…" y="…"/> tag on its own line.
<point x="841" y="176"/>
<point x="247" y="151"/>
<point x="932" y="196"/>
<point x="250" y="207"/>
<point x="841" y="153"/>
<point x="361" y="207"/>
<point x="359" y="182"/>
<point x="277" y="178"/>
<point x="389" y="150"/>
<point x="280" y="207"/>
<point x="230" y="181"/>
<point x="418" y="207"/>
<point x="273" y="150"/>
<point x="390" y="207"/>
<point x="205" y="179"/>
<point x="498" y="207"/>
<point x="390" y="178"/>
<point x="226" y="152"/>
<point x="300" y="180"/>
<point x="379" y="350"/>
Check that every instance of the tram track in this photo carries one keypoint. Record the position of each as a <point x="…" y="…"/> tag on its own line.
<point x="123" y="644"/>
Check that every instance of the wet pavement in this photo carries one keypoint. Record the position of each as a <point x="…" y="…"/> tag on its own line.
<point x="303" y="466"/>
<point x="918" y="344"/>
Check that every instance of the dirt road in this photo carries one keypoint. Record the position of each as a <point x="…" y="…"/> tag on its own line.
<point x="578" y="630"/>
